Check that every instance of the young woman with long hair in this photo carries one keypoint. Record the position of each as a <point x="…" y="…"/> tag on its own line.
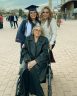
<point x="49" y="27"/>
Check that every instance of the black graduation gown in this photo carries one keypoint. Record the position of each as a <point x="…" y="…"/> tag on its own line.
<point x="37" y="74"/>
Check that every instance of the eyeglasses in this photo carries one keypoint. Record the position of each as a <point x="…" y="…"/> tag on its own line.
<point x="37" y="30"/>
<point x="45" y="12"/>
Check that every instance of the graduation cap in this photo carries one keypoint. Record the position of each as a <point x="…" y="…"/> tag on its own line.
<point x="32" y="7"/>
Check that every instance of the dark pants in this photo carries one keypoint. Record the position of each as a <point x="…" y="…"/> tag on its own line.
<point x="51" y="57"/>
<point x="29" y="83"/>
<point x="52" y="61"/>
<point x="15" y="24"/>
<point x="11" y="24"/>
<point x="1" y="25"/>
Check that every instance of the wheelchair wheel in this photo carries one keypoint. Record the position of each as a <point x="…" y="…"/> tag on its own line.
<point x="49" y="81"/>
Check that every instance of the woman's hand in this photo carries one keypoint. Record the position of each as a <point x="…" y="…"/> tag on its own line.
<point x="50" y="47"/>
<point x="23" y="46"/>
<point x="31" y="64"/>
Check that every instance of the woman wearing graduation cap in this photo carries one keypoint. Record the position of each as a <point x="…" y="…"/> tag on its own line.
<point x="26" y="26"/>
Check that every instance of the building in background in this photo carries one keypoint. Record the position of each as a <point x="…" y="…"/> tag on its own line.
<point x="68" y="7"/>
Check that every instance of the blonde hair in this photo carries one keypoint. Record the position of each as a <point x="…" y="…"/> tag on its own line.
<point x="50" y="14"/>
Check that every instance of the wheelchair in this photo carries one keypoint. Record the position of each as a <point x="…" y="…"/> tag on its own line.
<point x="48" y="77"/>
<point x="49" y="80"/>
<point x="50" y="73"/>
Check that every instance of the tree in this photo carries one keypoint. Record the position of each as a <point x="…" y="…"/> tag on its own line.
<point x="21" y="12"/>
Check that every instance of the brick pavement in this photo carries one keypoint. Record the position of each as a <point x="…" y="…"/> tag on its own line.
<point x="64" y="82"/>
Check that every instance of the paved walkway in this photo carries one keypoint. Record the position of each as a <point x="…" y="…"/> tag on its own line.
<point x="64" y="82"/>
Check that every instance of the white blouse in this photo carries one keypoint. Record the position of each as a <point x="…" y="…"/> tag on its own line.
<point x="50" y="31"/>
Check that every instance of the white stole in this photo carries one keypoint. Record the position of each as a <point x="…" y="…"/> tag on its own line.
<point x="28" y="29"/>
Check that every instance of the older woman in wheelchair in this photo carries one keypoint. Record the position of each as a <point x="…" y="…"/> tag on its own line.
<point x="35" y="59"/>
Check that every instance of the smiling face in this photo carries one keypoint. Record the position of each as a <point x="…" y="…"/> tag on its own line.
<point x="45" y="14"/>
<point x="37" y="31"/>
<point x="33" y="15"/>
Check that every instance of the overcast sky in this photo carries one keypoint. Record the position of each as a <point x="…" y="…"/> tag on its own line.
<point x="11" y="4"/>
